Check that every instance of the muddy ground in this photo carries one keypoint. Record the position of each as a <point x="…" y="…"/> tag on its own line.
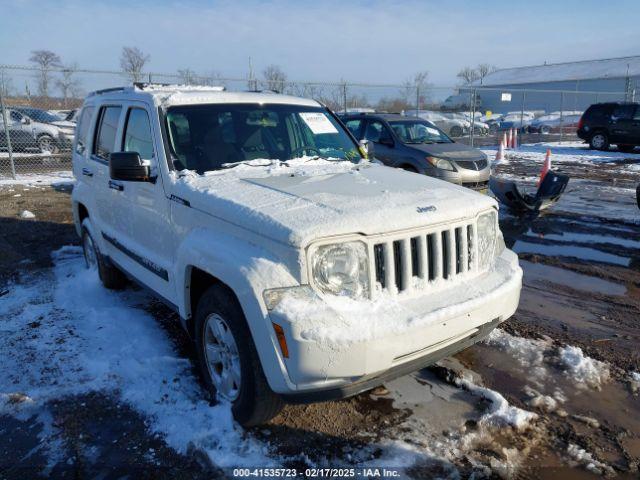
<point x="581" y="288"/>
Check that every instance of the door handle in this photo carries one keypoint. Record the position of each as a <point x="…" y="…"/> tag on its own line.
<point x="87" y="173"/>
<point x="116" y="185"/>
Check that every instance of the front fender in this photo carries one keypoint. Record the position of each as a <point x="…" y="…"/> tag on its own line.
<point x="247" y="270"/>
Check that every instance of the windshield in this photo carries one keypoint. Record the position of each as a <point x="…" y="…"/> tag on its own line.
<point x="206" y="137"/>
<point x="39" y="115"/>
<point x="415" y="131"/>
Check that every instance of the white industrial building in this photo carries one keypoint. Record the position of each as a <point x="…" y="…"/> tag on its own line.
<point x="558" y="86"/>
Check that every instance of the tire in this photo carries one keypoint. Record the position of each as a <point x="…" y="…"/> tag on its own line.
<point x="409" y="168"/>
<point x="110" y="276"/>
<point x="220" y="324"/>
<point x="626" y="148"/>
<point x="46" y="143"/>
<point x="545" y="130"/>
<point x="599" y="141"/>
<point x="456" y="131"/>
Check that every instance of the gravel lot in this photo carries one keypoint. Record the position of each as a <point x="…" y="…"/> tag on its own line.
<point x="549" y="395"/>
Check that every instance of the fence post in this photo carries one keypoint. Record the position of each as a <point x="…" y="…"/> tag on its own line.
<point x="417" y="99"/>
<point x="524" y="96"/>
<point x="473" y="116"/>
<point x="561" y="115"/>
<point x="344" y="96"/>
<point x="5" y="122"/>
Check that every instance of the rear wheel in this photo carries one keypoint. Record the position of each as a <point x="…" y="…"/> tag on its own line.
<point x="47" y="144"/>
<point x="456" y="131"/>
<point x="228" y="359"/>
<point x="110" y="276"/>
<point x="599" y="141"/>
<point x="626" y="148"/>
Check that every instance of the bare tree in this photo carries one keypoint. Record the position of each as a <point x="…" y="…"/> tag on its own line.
<point x="68" y="85"/>
<point x="421" y="87"/>
<point x="485" y="69"/>
<point x="132" y="61"/>
<point x="468" y="75"/>
<point x="188" y="76"/>
<point x="6" y="86"/>
<point x="46" y="60"/>
<point x="274" y="78"/>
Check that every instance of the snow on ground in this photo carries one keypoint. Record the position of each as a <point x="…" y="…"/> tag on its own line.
<point x="566" y="152"/>
<point x="585" y="459"/>
<point x="538" y="355"/>
<point x="634" y="379"/>
<point x="64" y="334"/>
<point x="582" y="369"/>
<point x="53" y="179"/>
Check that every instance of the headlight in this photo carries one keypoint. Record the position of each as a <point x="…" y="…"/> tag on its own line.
<point x="341" y="269"/>
<point x="487" y="238"/>
<point x="440" y="163"/>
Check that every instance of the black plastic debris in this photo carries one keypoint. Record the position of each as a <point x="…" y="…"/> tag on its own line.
<point x="548" y="193"/>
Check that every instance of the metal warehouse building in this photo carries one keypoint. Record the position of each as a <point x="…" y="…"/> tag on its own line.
<point x="559" y="86"/>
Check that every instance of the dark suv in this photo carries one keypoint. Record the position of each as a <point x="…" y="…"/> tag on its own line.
<point x="605" y="123"/>
<point x="419" y="146"/>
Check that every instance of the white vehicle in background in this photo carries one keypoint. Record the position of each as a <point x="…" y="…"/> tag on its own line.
<point x="302" y="271"/>
<point x="47" y="133"/>
<point x="454" y="127"/>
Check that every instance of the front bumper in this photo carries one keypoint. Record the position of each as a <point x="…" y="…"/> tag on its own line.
<point x="337" y="349"/>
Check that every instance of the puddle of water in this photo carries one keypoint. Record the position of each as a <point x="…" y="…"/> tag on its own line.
<point x="587" y="238"/>
<point x="537" y="273"/>
<point x="584" y="253"/>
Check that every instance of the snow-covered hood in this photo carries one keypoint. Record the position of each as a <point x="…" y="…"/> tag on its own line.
<point x="311" y="199"/>
<point x="65" y="125"/>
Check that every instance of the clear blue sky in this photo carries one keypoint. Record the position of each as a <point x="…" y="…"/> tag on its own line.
<point x="376" y="41"/>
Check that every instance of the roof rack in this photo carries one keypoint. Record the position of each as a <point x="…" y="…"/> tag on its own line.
<point x="160" y="86"/>
<point x="107" y="90"/>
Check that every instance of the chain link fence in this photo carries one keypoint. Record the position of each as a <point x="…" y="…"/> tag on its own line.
<point x="39" y="108"/>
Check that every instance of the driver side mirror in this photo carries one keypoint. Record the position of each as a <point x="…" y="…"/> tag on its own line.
<point x="127" y="166"/>
<point x="366" y="147"/>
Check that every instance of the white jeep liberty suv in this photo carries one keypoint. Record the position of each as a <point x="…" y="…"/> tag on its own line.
<point x="302" y="270"/>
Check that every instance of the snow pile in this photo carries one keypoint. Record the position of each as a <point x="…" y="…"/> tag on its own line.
<point x="585" y="459"/>
<point x="634" y="379"/>
<point x="582" y="369"/>
<point x="53" y="179"/>
<point x="26" y="214"/>
<point x="500" y="412"/>
<point x="528" y="353"/>
<point x="544" y="402"/>
<point x="64" y="334"/>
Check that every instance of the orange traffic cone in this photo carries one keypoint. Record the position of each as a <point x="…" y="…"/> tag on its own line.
<point x="504" y="140"/>
<point x="510" y="138"/>
<point x="515" y="139"/>
<point x="500" y="152"/>
<point x="546" y="166"/>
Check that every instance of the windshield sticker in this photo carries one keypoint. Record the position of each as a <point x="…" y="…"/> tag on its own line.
<point x="318" y="122"/>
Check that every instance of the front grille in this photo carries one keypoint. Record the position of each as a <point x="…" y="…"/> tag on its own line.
<point x="472" y="164"/>
<point x="420" y="260"/>
<point x="476" y="185"/>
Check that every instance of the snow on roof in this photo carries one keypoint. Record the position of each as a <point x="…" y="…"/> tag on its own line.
<point x="555" y="72"/>
<point x="186" y="94"/>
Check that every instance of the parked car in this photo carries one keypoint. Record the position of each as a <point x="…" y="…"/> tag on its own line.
<point x="479" y="127"/>
<point x="61" y="114"/>
<point x="21" y="140"/>
<point x="49" y="132"/>
<point x="303" y="271"/>
<point x="512" y="120"/>
<point x="419" y="146"/>
<point x="455" y="127"/>
<point x="554" y="124"/>
<point x="603" y="124"/>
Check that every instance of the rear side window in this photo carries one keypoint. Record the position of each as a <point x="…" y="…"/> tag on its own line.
<point x="624" y="112"/>
<point x="105" y="141"/>
<point x="597" y="112"/>
<point x="137" y="134"/>
<point x="82" y="130"/>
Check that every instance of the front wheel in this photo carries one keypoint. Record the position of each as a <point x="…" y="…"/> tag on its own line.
<point x="599" y="141"/>
<point x="228" y="359"/>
